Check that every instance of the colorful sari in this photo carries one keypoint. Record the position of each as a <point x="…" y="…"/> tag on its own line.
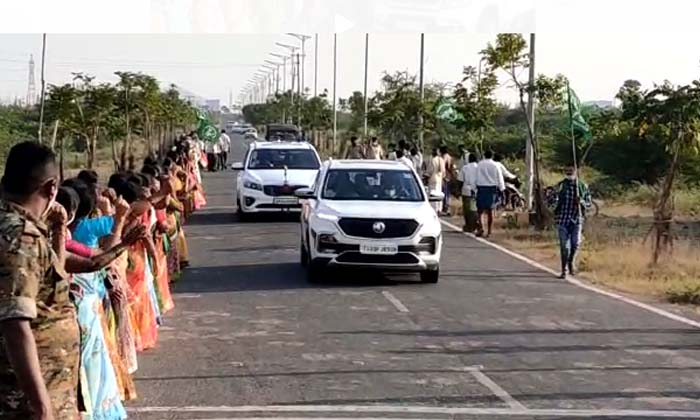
<point x="124" y="329"/>
<point x="142" y="312"/>
<point x="98" y="380"/>
<point x="162" y="277"/>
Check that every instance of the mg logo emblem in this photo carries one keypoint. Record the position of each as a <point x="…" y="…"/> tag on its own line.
<point x="378" y="227"/>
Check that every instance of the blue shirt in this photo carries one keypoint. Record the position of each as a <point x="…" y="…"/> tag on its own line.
<point x="88" y="231"/>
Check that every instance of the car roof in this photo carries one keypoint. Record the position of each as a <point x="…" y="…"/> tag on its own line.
<point x="281" y="145"/>
<point x="367" y="164"/>
<point x="282" y="126"/>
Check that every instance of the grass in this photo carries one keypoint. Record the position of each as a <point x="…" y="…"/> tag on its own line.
<point x="616" y="260"/>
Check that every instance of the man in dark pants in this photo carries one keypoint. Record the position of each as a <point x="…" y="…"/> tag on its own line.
<point x="225" y="143"/>
<point x="571" y="200"/>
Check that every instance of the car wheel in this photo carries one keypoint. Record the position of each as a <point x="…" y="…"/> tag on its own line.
<point x="315" y="272"/>
<point x="304" y="255"/>
<point x="243" y="216"/>
<point x="430" y="276"/>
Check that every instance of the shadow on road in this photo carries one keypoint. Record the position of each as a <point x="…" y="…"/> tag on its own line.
<point x="278" y="276"/>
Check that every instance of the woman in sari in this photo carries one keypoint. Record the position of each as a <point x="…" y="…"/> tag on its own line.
<point x="99" y="382"/>
<point x="173" y="210"/>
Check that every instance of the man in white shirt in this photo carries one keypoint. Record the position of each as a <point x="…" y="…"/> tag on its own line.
<point x="375" y="150"/>
<point x="213" y="150"/>
<point x="489" y="186"/>
<point x="507" y="175"/>
<point x="225" y="143"/>
<point x="404" y="159"/>
<point x="417" y="158"/>
<point x="467" y="176"/>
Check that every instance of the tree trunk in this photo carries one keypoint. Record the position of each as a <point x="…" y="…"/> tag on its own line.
<point x="61" y="163"/>
<point x="542" y="214"/>
<point x="53" y="137"/>
<point x="115" y="160"/>
<point x="126" y="146"/>
<point x="663" y="211"/>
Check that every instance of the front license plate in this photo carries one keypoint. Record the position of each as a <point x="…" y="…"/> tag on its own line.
<point x="379" y="249"/>
<point x="286" y="201"/>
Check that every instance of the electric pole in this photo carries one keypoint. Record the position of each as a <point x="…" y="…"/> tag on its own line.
<point x="365" y="90"/>
<point x="422" y="92"/>
<point x="335" y="76"/>
<point x="43" y="88"/>
<point x="529" y="155"/>
<point x="31" y="86"/>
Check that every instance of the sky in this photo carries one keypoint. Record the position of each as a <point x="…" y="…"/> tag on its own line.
<point x="212" y="65"/>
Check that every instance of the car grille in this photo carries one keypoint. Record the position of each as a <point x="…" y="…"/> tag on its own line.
<point x="354" y="257"/>
<point x="277" y="190"/>
<point x="363" y="228"/>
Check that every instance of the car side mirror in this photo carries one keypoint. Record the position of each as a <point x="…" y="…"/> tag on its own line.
<point x="305" y="193"/>
<point x="238" y="166"/>
<point x="436" y="196"/>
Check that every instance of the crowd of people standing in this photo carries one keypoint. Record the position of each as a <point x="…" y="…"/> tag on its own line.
<point x="86" y="267"/>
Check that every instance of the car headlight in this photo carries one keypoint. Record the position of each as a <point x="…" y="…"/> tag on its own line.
<point x="328" y="217"/>
<point x="252" y="185"/>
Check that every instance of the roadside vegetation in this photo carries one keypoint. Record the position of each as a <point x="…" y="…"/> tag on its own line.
<point x="98" y="125"/>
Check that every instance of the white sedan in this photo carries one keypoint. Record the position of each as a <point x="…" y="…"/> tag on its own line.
<point x="369" y="214"/>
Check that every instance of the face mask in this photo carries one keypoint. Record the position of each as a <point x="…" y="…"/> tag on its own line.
<point x="571" y="177"/>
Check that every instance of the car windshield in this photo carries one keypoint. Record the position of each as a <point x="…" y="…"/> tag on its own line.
<point x="372" y="185"/>
<point x="279" y="158"/>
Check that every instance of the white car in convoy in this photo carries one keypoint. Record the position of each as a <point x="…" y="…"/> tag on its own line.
<point x="369" y="214"/>
<point x="270" y="174"/>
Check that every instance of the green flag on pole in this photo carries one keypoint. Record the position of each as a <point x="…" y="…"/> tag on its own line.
<point x="446" y="111"/>
<point x="577" y="123"/>
<point x="206" y="130"/>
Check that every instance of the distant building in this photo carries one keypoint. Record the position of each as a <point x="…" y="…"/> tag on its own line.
<point x="600" y="104"/>
<point x="213" y="105"/>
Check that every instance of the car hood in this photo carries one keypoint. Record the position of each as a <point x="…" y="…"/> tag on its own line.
<point x="378" y="209"/>
<point x="276" y="176"/>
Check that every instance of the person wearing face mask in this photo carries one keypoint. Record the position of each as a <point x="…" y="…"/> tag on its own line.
<point x="40" y="339"/>
<point x="570" y="202"/>
<point x="376" y="151"/>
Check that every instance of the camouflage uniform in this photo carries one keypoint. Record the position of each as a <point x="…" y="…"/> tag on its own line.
<point x="34" y="287"/>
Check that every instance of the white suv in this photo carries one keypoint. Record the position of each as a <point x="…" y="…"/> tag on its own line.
<point x="369" y="214"/>
<point x="269" y="175"/>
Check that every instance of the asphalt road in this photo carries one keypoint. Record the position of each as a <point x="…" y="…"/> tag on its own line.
<point x="496" y="338"/>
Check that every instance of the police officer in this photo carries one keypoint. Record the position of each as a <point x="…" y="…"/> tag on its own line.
<point x="39" y="342"/>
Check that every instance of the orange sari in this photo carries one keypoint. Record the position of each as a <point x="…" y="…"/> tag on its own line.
<point x="162" y="282"/>
<point x="142" y="311"/>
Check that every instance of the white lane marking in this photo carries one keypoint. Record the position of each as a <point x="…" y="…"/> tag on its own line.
<point x="390" y="409"/>
<point x="209" y="208"/>
<point x="496" y="389"/>
<point x="395" y="301"/>
<point x="577" y="282"/>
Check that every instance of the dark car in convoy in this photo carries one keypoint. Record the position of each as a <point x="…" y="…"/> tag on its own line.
<point x="282" y="132"/>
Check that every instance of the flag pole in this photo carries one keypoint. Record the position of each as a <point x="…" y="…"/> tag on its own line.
<point x="573" y="151"/>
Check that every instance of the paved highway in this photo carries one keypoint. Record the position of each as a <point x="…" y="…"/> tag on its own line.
<point x="496" y="338"/>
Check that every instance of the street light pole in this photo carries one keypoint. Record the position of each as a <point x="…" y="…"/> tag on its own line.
<point x="422" y="92"/>
<point x="335" y="76"/>
<point x="316" y="65"/>
<point x="365" y="89"/>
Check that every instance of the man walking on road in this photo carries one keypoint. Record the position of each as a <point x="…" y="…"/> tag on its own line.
<point x="448" y="178"/>
<point x="571" y="200"/>
<point x="40" y="339"/>
<point x="225" y="144"/>
<point x="375" y="150"/>
<point x="435" y="173"/>
<point x="489" y="185"/>
<point x="467" y="176"/>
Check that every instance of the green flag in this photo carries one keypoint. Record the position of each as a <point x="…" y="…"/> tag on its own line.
<point x="577" y="123"/>
<point x="206" y="130"/>
<point x="446" y="111"/>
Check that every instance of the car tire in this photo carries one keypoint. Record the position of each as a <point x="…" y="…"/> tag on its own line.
<point x="304" y="255"/>
<point x="242" y="216"/>
<point x="430" y="276"/>
<point x="315" y="272"/>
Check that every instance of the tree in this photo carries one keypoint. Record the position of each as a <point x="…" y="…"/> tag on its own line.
<point x="126" y="103"/>
<point x="509" y="54"/>
<point x="672" y="115"/>
<point x="475" y="102"/>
